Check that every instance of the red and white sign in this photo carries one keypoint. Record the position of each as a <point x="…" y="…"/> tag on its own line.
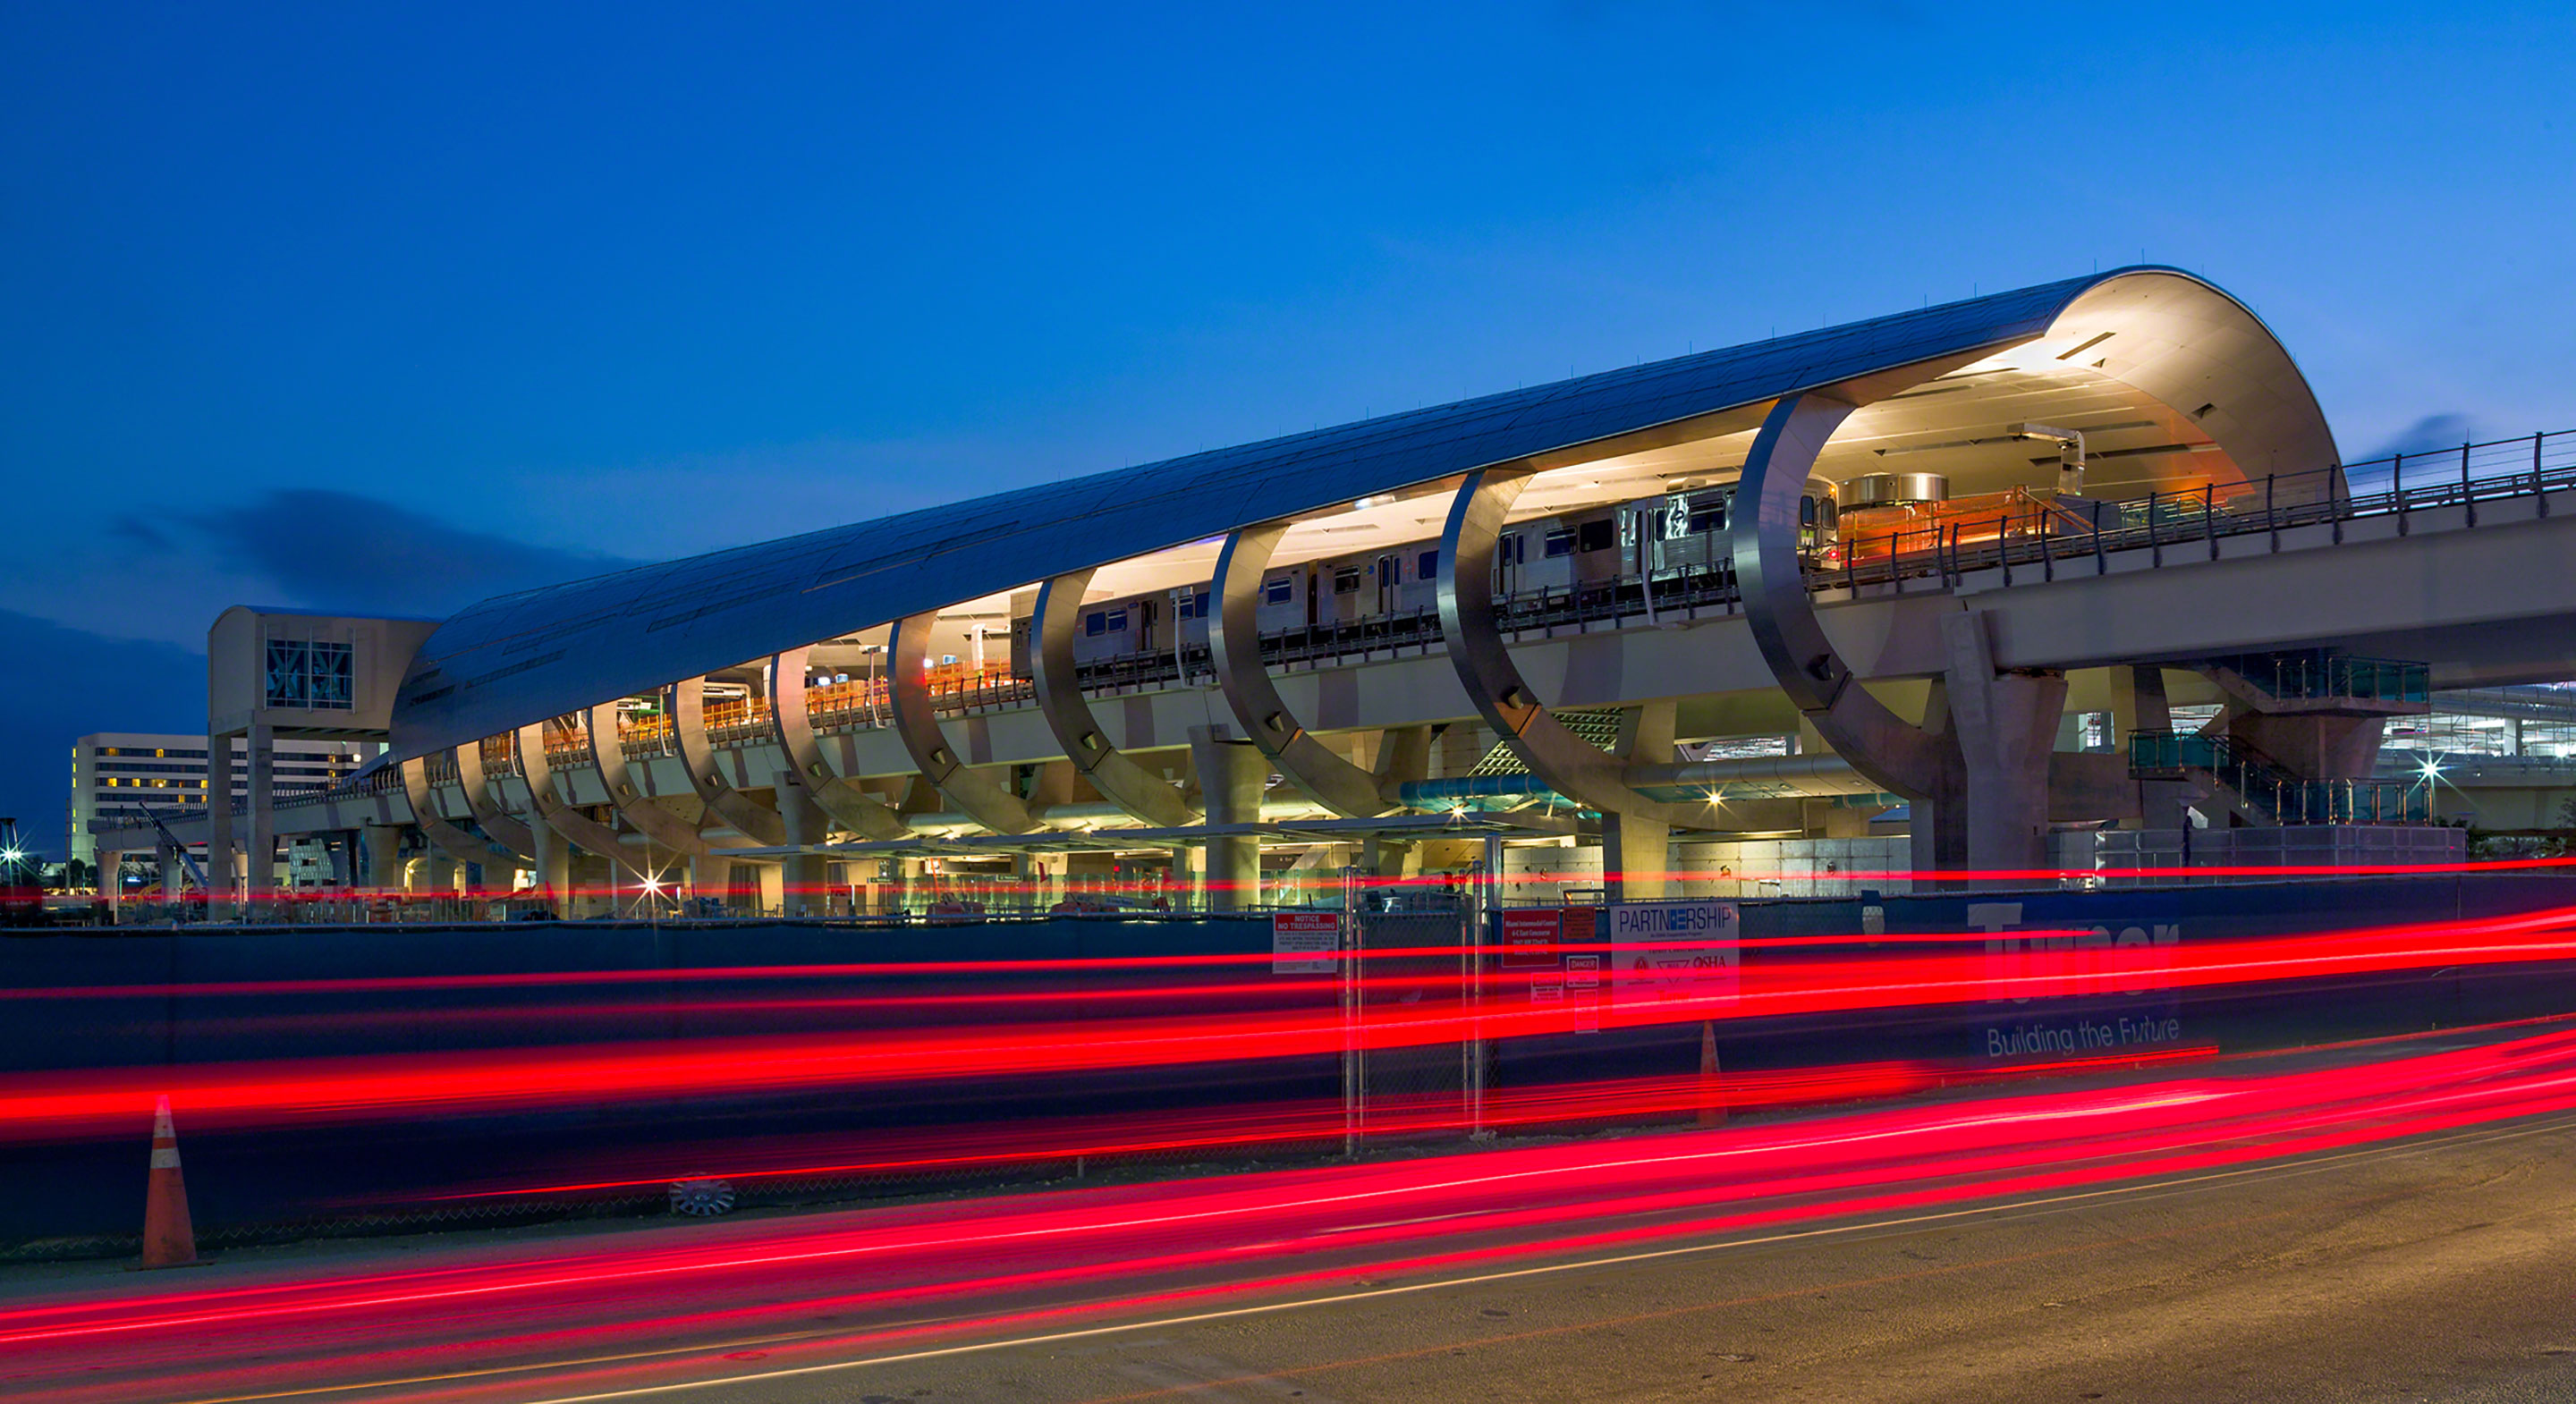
<point x="1583" y="991"/>
<point x="1303" y="943"/>
<point x="1530" y="936"/>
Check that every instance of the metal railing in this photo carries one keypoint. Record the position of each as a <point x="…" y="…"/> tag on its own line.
<point x="2265" y="786"/>
<point x="2317" y="674"/>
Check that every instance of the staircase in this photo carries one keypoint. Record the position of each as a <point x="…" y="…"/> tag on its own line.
<point x="2267" y="791"/>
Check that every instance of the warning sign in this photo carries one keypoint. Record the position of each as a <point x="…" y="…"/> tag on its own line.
<point x="1302" y="943"/>
<point x="1583" y="991"/>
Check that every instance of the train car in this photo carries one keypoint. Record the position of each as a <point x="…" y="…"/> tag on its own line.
<point x="1656" y="537"/>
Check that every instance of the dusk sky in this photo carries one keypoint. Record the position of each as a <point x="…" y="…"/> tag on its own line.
<point x="386" y="309"/>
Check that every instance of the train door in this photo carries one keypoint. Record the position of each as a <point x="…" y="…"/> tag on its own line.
<point x="1507" y="563"/>
<point x="1390" y="573"/>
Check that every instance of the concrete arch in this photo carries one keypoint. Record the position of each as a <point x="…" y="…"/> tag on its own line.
<point x="655" y="823"/>
<point x="1563" y="761"/>
<point x="1234" y="649"/>
<point x="488" y="813"/>
<point x="458" y="844"/>
<point x="546" y="797"/>
<point x="916" y="724"/>
<point x="750" y="818"/>
<point x="1151" y="799"/>
<point x="1763" y="543"/>
<point x="792" y="717"/>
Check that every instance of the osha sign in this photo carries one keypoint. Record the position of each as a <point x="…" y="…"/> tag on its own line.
<point x="1675" y="950"/>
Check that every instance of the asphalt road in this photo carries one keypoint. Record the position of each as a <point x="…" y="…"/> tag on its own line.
<point x="2403" y="1265"/>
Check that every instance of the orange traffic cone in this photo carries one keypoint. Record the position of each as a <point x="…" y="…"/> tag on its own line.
<point x="169" y="1240"/>
<point x="1712" y="1095"/>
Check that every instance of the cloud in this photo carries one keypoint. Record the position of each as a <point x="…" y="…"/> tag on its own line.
<point x="348" y="554"/>
<point x="2431" y="434"/>
<point x="78" y="682"/>
<point x="2434" y="433"/>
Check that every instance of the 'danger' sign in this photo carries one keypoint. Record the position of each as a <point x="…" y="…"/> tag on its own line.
<point x="1674" y="950"/>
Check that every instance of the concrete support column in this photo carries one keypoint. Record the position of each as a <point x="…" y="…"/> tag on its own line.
<point x="221" y="893"/>
<point x="1992" y="813"/>
<point x="553" y="861"/>
<point x="111" y="885"/>
<point x="1189" y="876"/>
<point x="174" y="873"/>
<point x="1634" y="854"/>
<point x="801" y="886"/>
<point x="2139" y="704"/>
<point x="262" y="848"/>
<point x="384" y="856"/>
<point x="907" y="894"/>
<point x="711" y="875"/>
<point x="1231" y="776"/>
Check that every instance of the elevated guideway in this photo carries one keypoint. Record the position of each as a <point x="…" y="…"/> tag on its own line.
<point x="2473" y="583"/>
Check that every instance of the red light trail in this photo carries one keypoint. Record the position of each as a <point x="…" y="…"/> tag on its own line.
<point x="832" y="1287"/>
<point x="59" y="1103"/>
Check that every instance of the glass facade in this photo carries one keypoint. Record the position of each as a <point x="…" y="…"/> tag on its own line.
<point x="315" y="676"/>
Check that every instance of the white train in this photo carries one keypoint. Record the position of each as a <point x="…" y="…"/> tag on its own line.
<point x="1670" y="538"/>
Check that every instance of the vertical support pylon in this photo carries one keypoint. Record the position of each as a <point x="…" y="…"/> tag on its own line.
<point x="169" y="1239"/>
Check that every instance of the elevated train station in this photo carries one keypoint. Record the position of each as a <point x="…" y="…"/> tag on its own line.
<point x="1917" y="595"/>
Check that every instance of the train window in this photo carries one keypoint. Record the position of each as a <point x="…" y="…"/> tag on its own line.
<point x="1346" y="580"/>
<point x="1826" y="509"/>
<point x="1278" y="590"/>
<point x="1093" y="623"/>
<point x="1596" y="535"/>
<point x="1427" y="566"/>
<point x="1514" y="548"/>
<point x="1117" y="620"/>
<point x="1806" y="511"/>
<point x="1194" y="604"/>
<point x="1560" y="542"/>
<point x="1709" y="518"/>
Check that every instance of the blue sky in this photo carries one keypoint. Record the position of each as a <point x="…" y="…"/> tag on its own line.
<point x="387" y="308"/>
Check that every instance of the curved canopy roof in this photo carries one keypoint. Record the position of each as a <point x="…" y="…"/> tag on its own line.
<point x="539" y="653"/>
